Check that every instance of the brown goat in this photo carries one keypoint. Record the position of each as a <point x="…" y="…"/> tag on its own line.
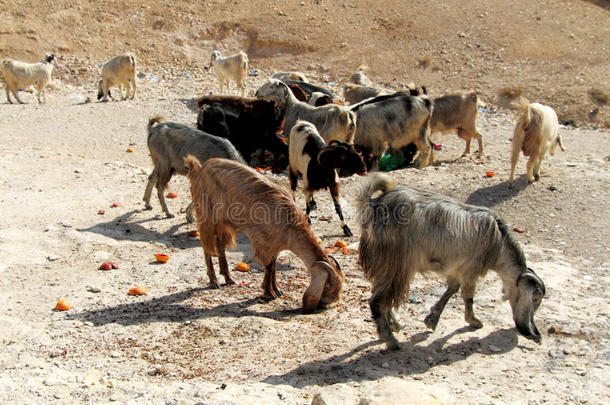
<point x="229" y="198"/>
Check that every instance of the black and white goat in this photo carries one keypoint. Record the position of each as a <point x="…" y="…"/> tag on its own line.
<point x="314" y="160"/>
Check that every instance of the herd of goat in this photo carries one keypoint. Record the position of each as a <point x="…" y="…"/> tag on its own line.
<point x="307" y="130"/>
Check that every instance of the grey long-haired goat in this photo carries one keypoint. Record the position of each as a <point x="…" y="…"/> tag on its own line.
<point x="405" y="231"/>
<point x="169" y="143"/>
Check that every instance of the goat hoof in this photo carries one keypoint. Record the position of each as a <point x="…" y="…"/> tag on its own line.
<point x="229" y="282"/>
<point x="536" y="177"/>
<point x="395" y="326"/>
<point x="431" y="321"/>
<point x="148" y="207"/>
<point x="213" y="286"/>
<point x="170" y="215"/>
<point x="475" y="324"/>
<point x="346" y="231"/>
<point x="393" y="345"/>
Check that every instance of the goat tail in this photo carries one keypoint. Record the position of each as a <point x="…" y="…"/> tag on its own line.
<point x="192" y="164"/>
<point x="374" y="182"/>
<point x="156" y="119"/>
<point x="560" y="142"/>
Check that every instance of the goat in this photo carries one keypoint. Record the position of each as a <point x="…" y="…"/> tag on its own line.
<point x="317" y="162"/>
<point x="298" y="92"/>
<point x="119" y="71"/>
<point x="230" y="197"/>
<point x="457" y="112"/>
<point x="354" y="93"/>
<point x="290" y="76"/>
<point x="169" y="143"/>
<point x="308" y="88"/>
<point x="406" y="231"/>
<point x="18" y="75"/>
<point x="536" y="132"/>
<point x="332" y="121"/>
<point x="360" y="78"/>
<point x="318" y="99"/>
<point x="233" y="67"/>
<point x="394" y="121"/>
<point x="250" y="124"/>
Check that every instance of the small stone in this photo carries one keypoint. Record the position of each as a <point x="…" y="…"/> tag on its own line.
<point x="52" y="258"/>
<point x="65" y="224"/>
<point x="94" y="289"/>
<point x="557" y="354"/>
<point x="494" y="349"/>
<point x="318" y="400"/>
<point x="114" y="355"/>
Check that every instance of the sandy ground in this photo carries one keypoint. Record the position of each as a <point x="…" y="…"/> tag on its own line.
<point x="182" y="343"/>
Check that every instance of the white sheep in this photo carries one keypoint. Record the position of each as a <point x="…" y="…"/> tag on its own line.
<point x="18" y="75"/>
<point x="536" y="132"/>
<point x="119" y="71"/>
<point x="233" y="67"/>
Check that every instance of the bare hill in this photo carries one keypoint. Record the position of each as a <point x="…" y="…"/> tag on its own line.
<point x="554" y="52"/>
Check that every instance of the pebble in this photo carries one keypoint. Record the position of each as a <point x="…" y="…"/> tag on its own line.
<point x="494" y="349"/>
<point x="94" y="289"/>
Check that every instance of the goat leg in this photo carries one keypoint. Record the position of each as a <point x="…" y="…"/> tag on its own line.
<point x="222" y="262"/>
<point x="467" y="296"/>
<point x="334" y="192"/>
<point x="480" y="140"/>
<point x="161" y="196"/>
<point x="467" y="150"/>
<point x="394" y="324"/>
<point x="152" y="180"/>
<point x="380" y="315"/>
<point x="212" y="281"/>
<point x="270" y="290"/>
<point x="437" y="309"/>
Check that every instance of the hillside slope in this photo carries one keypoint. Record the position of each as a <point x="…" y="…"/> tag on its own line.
<point x="554" y="52"/>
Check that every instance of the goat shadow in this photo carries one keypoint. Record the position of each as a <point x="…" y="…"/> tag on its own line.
<point x="412" y="359"/>
<point x="496" y="194"/>
<point x="125" y="227"/>
<point x="169" y="309"/>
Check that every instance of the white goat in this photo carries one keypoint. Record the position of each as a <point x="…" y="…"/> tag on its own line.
<point x="536" y="132"/>
<point x="20" y="75"/>
<point x="119" y="71"/>
<point x="233" y="67"/>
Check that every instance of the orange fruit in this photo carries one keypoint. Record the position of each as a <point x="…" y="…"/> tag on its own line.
<point x="129" y="150"/>
<point x="489" y="173"/>
<point x="340" y="244"/>
<point x="161" y="257"/>
<point x="171" y="194"/>
<point x="137" y="291"/>
<point x="62" y="305"/>
<point x="242" y="267"/>
<point x="194" y="234"/>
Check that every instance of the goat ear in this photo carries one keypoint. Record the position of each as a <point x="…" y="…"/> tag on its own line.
<point x="327" y="155"/>
<point x="313" y="294"/>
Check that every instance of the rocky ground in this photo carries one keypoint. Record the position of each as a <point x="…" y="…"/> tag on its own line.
<point x="65" y="161"/>
<point x="182" y="343"/>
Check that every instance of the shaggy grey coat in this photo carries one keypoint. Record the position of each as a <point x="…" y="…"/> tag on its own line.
<point x="406" y="231"/>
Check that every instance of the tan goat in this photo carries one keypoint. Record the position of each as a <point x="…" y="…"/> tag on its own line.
<point x="229" y="198"/>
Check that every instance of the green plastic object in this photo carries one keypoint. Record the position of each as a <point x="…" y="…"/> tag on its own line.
<point x="391" y="162"/>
